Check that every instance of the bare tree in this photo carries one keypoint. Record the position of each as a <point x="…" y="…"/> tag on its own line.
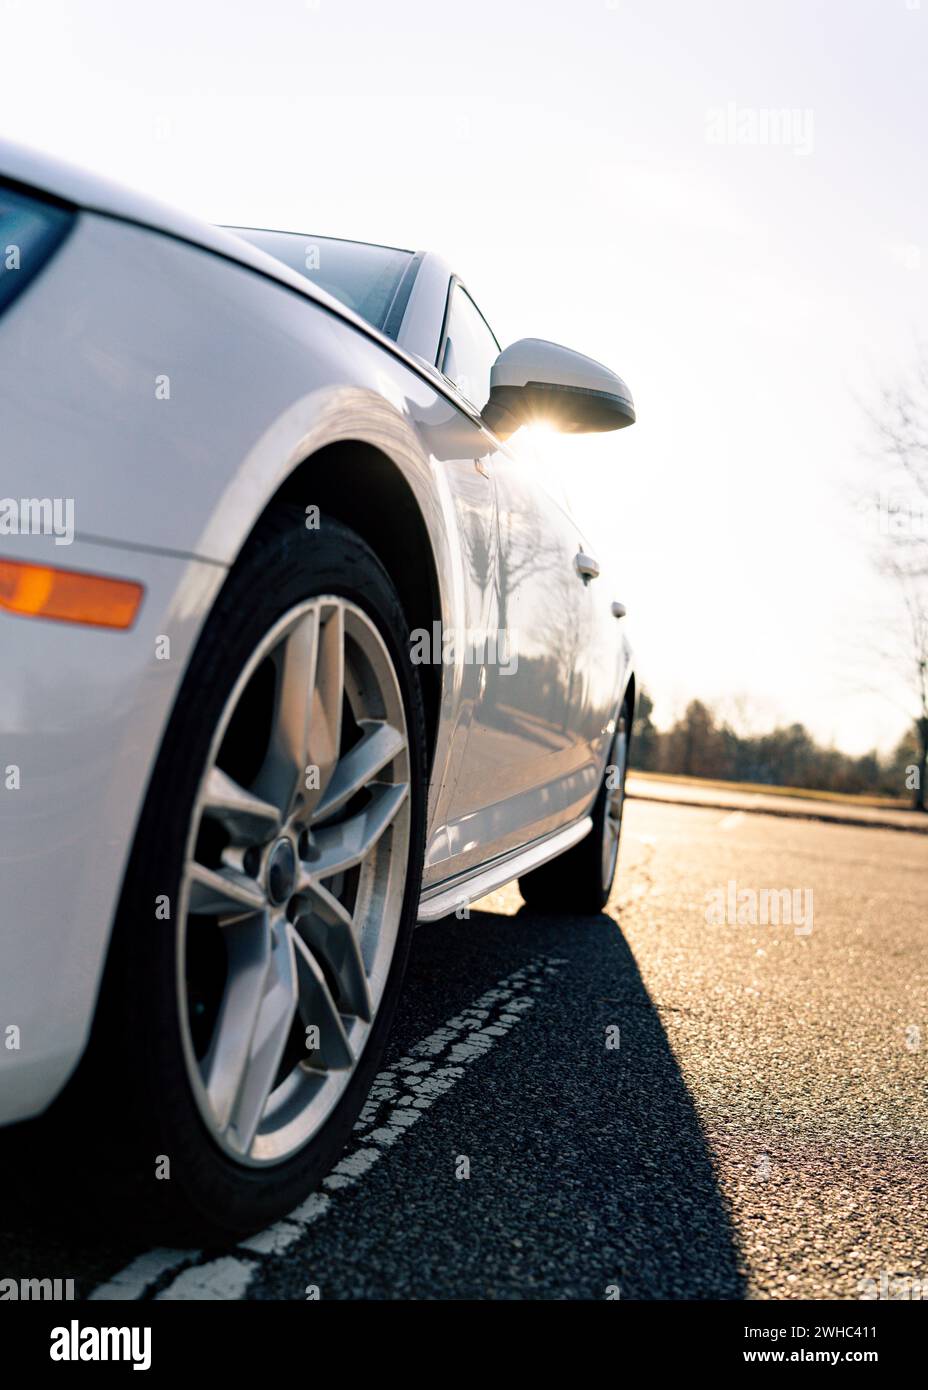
<point x="900" y="423"/>
<point x="915" y="602"/>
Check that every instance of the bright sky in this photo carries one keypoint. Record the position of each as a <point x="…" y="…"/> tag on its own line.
<point x="597" y="172"/>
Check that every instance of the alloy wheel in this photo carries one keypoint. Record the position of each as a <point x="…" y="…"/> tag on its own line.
<point x="294" y="880"/>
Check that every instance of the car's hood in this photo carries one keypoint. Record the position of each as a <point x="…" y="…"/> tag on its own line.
<point x="95" y="193"/>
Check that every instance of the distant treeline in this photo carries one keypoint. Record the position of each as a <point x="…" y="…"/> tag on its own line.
<point x="698" y="745"/>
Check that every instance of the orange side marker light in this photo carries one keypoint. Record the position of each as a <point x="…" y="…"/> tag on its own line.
<point x="68" y="596"/>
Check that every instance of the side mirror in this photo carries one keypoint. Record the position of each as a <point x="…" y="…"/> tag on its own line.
<point x="537" y="380"/>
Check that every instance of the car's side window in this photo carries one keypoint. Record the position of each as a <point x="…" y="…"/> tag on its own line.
<point x="470" y="348"/>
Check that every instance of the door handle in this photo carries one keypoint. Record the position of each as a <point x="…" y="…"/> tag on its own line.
<point x="587" y="567"/>
<point x="618" y="609"/>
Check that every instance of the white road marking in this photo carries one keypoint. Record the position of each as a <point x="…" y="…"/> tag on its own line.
<point x="398" y="1099"/>
<point x="227" y="1278"/>
<point x="283" y="1233"/>
<point x="138" y="1276"/>
<point x="732" y="821"/>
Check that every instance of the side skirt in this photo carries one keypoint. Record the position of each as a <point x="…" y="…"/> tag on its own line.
<point x="441" y="899"/>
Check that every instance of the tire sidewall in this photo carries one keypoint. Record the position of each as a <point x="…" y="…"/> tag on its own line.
<point x="600" y="815"/>
<point x="284" y="566"/>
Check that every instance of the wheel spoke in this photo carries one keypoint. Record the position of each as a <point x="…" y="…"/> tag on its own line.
<point x="325" y="723"/>
<point x="245" y="816"/>
<point x="329" y="930"/>
<point x="249" y="954"/>
<point x="222" y="892"/>
<point x="272" y="1025"/>
<point x="283" y="772"/>
<point x="317" y="1008"/>
<point x="617" y="799"/>
<point x="380" y="744"/>
<point x="339" y="847"/>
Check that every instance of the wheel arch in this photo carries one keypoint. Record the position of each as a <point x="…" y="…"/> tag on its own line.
<point x="359" y="484"/>
<point x="628" y="695"/>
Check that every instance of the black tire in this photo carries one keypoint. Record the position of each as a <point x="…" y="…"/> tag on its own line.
<point x="136" y="1056"/>
<point x="577" y="882"/>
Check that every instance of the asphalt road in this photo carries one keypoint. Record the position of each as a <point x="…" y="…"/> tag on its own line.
<point x="724" y="796"/>
<point x="760" y="1131"/>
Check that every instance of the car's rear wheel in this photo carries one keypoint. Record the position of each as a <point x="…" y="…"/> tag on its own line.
<point x="267" y="913"/>
<point x="580" y="880"/>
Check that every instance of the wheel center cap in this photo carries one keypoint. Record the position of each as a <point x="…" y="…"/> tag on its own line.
<point x="281" y="872"/>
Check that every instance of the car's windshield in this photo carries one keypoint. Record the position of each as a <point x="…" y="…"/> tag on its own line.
<point x="371" y="280"/>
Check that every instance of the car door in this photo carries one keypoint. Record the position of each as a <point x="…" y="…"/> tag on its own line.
<point x="528" y="765"/>
<point x="604" y="660"/>
<point x="544" y="705"/>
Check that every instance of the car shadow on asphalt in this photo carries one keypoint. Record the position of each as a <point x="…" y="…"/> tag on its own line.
<point x="612" y="1127"/>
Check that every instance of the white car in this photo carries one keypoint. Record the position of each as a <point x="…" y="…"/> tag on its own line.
<point x="296" y="648"/>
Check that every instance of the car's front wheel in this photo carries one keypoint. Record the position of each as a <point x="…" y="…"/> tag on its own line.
<point x="267" y="913"/>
